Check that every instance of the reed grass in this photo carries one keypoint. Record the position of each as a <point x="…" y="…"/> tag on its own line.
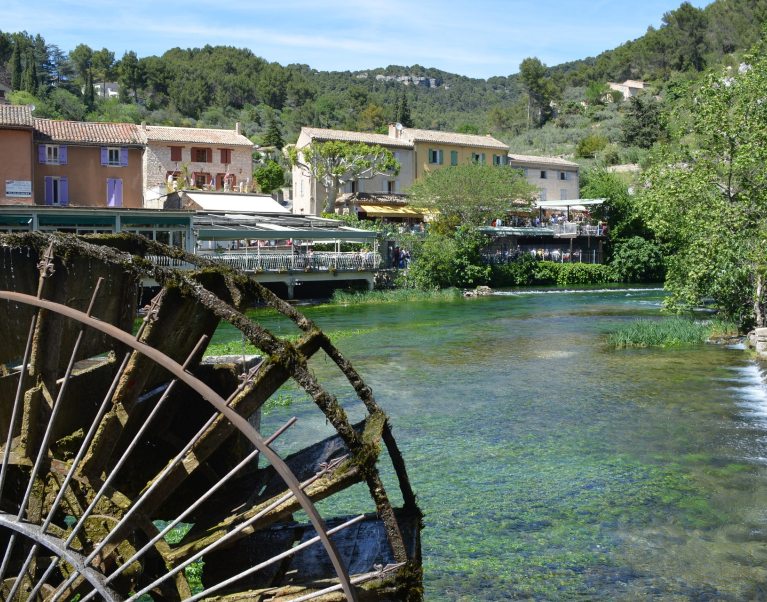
<point x="400" y="295"/>
<point x="668" y="332"/>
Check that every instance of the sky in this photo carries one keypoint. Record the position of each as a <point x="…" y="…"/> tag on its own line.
<point x="476" y="38"/>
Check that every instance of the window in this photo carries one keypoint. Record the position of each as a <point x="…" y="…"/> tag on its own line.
<point x="499" y="159"/>
<point x="353" y="186"/>
<point x="391" y="186"/>
<point x="478" y="158"/>
<point x="56" y="190"/>
<point x="52" y="154"/>
<point x="542" y="194"/>
<point x="114" y="192"/>
<point x="563" y="175"/>
<point x="435" y="156"/>
<point x="201" y="180"/>
<point x="202" y="155"/>
<point x="226" y="155"/>
<point x="453" y="157"/>
<point x="113" y="156"/>
<point x="562" y="194"/>
<point x="175" y="153"/>
<point x="543" y="175"/>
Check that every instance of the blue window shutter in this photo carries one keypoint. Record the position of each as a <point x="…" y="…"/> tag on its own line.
<point x="439" y="156"/>
<point x="119" y="193"/>
<point x="123" y="157"/>
<point x="42" y="157"/>
<point x="104" y="156"/>
<point x="62" y="155"/>
<point x="48" y="189"/>
<point x="63" y="191"/>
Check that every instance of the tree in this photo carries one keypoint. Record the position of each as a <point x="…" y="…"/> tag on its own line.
<point x="590" y="145"/>
<point x="403" y="111"/>
<point x="29" y="76"/>
<point x="103" y="66"/>
<point x="643" y="123"/>
<point x="706" y="196"/>
<point x="131" y="74"/>
<point x="443" y="261"/>
<point x="686" y="29"/>
<point x="269" y="176"/>
<point x="16" y="69"/>
<point x="540" y="91"/>
<point x="333" y="163"/>
<point x="470" y="194"/>
<point x="273" y="136"/>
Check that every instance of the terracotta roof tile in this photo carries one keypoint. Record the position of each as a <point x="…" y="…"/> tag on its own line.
<point x="15" y="116"/>
<point x="83" y="132"/>
<point x="453" y="138"/>
<point x="157" y="133"/>
<point x="537" y="160"/>
<point x="323" y="134"/>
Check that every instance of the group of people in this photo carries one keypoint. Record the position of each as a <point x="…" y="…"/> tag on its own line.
<point x="400" y="258"/>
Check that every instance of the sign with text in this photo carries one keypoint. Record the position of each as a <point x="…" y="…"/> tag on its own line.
<point x="18" y="188"/>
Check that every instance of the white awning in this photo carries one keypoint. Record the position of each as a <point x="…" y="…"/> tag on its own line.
<point x="576" y="204"/>
<point x="230" y="201"/>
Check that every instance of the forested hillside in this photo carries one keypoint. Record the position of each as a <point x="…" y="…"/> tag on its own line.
<point x="540" y="109"/>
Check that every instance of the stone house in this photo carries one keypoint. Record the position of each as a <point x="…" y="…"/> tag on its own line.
<point x="16" y="155"/>
<point x="556" y="179"/>
<point x="87" y="164"/>
<point x="210" y="159"/>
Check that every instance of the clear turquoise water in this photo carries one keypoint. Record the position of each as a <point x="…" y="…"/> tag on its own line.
<point x="549" y="466"/>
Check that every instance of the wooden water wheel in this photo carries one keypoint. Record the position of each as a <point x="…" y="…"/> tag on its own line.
<point x="116" y="438"/>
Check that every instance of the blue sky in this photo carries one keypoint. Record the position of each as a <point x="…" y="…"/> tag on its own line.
<point x="479" y="38"/>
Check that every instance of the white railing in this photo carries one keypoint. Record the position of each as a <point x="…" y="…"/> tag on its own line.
<point x="287" y="262"/>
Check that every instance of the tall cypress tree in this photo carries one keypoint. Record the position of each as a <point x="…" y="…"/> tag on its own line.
<point x="403" y="111"/>
<point x="29" y="77"/>
<point x="16" y="67"/>
<point x="273" y="135"/>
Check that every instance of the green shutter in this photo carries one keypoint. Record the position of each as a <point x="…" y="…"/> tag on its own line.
<point x="453" y="157"/>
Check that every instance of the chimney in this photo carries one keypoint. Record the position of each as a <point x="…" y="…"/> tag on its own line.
<point x="395" y="130"/>
<point x="143" y="125"/>
<point x="237" y="127"/>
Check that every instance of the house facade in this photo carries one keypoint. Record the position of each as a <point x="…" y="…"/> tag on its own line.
<point x="556" y="179"/>
<point x="309" y="195"/>
<point x="209" y="159"/>
<point x="436" y="150"/>
<point x="85" y="164"/>
<point x="16" y="155"/>
<point x="628" y="88"/>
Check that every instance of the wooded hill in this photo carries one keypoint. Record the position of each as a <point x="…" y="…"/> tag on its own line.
<point x="538" y="110"/>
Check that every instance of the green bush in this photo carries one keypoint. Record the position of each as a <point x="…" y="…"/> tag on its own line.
<point x="589" y="146"/>
<point x="638" y="260"/>
<point x="528" y="271"/>
<point x="669" y="332"/>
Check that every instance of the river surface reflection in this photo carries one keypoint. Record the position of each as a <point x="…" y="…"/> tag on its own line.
<point x="549" y="466"/>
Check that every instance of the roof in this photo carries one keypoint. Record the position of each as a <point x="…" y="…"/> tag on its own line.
<point x="16" y="116"/>
<point x="229" y="201"/>
<point x="323" y="135"/>
<point x="453" y="138"/>
<point x="85" y="132"/>
<point x="537" y="160"/>
<point x="159" y="133"/>
<point x="383" y="210"/>
<point x="260" y="226"/>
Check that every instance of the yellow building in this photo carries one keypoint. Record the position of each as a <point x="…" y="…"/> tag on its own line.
<point x="434" y="150"/>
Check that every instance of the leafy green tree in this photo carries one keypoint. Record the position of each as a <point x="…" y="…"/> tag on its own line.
<point x="590" y="145"/>
<point x="706" y="196"/>
<point x="637" y="259"/>
<point x="82" y="59"/>
<point x="444" y="260"/>
<point x="29" y="76"/>
<point x="643" y="123"/>
<point x="470" y="194"/>
<point x="269" y="176"/>
<point x="620" y="210"/>
<point x="131" y="74"/>
<point x="540" y="90"/>
<point x="686" y="30"/>
<point x="334" y="163"/>
<point x="103" y="63"/>
<point x="66" y="105"/>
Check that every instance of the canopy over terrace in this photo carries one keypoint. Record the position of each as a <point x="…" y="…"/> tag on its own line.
<point x="567" y="204"/>
<point x="214" y="226"/>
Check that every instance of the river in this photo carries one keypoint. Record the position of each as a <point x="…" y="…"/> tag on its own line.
<point x="550" y="466"/>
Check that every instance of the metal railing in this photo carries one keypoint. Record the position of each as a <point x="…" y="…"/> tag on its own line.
<point x="299" y="262"/>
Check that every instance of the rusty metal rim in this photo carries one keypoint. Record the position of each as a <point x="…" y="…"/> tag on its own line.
<point x="55" y="545"/>
<point x="217" y="402"/>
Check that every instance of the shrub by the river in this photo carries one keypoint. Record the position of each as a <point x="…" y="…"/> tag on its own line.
<point x="667" y="332"/>
<point x="528" y="270"/>
<point x="399" y="295"/>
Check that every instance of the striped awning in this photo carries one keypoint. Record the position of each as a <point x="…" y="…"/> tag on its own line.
<point x="392" y="211"/>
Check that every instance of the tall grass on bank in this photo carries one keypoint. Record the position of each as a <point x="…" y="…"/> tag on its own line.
<point x="668" y="332"/>
<point x="399" y="295"/>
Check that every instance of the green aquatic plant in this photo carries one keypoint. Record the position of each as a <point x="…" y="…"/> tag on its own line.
<point x="666" y="332"/>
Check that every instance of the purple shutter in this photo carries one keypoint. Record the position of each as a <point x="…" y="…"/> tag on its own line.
<point x="62" y="155"/>
<point x="104" y="156"/>
<point x="41" y="154"/>
<point x="118" y="193"/>
<point x="114" y="192"/>
<point x="123" y="157"/>
<point x="48" y="190"/>
<point x="110" y="192"/>
<point x="63" y="191"/>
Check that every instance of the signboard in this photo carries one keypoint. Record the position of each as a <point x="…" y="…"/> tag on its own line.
<point x="18" y="188"/>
